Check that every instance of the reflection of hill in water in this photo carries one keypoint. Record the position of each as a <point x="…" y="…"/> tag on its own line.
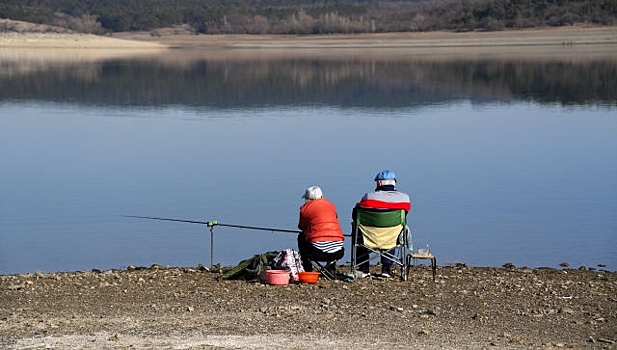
<point x="342" y="83"/>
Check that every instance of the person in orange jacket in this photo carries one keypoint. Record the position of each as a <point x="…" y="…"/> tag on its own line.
<point x="321" y="238"/>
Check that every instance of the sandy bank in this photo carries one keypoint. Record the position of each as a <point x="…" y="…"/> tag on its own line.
<point x="563" y="36"/>
<point x="70" y="41"/>
<point x="546" y="43"/>
<point x="65" y="47"/>
<point x="565" y="43"/>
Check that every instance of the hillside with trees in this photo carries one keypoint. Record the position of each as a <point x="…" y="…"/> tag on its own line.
<point x="308" y="16"/>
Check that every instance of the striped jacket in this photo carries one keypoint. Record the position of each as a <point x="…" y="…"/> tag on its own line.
<point x="382" y="199"/>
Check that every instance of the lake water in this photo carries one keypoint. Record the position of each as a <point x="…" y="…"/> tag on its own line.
<point x="505" y="161"/>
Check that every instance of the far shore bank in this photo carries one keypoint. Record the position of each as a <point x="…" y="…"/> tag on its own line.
<point x="575" y="41"/>
<point x="559" y="36"/>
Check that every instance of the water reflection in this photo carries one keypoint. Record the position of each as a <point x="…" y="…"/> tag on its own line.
<point x="534" y="186"/>
<point x="344" y="82"/>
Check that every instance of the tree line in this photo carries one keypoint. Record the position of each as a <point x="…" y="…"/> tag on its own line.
<point x="308" y="16"/>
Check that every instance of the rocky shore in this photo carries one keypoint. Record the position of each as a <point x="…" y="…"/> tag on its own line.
<point x="187" y="308"/>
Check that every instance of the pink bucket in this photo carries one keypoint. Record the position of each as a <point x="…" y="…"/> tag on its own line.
<point x="277" y="277"/>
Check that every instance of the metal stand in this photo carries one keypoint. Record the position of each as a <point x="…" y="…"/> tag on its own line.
<point x="416" y="256"/>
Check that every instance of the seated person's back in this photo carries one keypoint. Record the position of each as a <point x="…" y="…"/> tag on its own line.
<point x="385" y="197"/>
<point x="321" y="238"/>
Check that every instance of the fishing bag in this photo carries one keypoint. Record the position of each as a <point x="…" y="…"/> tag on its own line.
<point x="251" y="269"/>
<point x="289" y="260"/>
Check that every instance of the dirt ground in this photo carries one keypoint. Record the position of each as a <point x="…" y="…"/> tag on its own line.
<point x="187" y="308"/>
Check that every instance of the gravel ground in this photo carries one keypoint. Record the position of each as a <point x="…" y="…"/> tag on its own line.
<point x="182" y="308"/>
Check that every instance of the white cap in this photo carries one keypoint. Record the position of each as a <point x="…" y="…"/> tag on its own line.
<point x="386" y="182"/>
<point x="313" y="192"/>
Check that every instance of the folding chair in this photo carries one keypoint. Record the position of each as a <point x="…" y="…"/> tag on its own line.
<point x="326" y="263"/>
<point x="379" y="232"/>
<point x="327" y="268"/>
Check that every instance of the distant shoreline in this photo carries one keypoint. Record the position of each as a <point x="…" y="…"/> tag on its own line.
<point x="34" y="40"/>
<point x="564" y="43"/>
<point x="561" y="36"/>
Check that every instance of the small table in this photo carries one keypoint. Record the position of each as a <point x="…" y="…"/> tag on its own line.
<point x="415" y="256"/>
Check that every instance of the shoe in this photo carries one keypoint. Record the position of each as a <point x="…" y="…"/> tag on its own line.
<point x="385" y="272"/>
<point x="360" y="274"/>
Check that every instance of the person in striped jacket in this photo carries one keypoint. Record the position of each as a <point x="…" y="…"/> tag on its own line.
<point x="384" y="197"/>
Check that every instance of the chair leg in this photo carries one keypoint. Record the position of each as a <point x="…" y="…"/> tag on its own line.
<point x="325" y="272"/>
<point x="331" y="270"/>
<point x="434" y="266"/>
<point x="408" y="263"/>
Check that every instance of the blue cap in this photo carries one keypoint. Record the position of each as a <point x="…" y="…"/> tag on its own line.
<point x="385" y="175"/>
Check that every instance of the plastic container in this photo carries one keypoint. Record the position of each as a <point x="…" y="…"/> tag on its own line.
<point x="424" y="251"/>
<point x="277" y="277"/>
<point x="308" y="277"/>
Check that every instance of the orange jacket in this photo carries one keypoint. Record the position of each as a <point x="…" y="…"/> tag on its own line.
<point x="319" y="221"/>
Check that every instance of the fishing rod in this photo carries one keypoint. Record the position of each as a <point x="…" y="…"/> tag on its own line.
<point x="216" y="223"/>
<point x="211" y="225"/>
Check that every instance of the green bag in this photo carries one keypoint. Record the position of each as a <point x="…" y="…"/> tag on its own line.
<point x="250" y="269"/>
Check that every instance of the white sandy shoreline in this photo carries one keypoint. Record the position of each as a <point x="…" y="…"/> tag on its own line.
<point x="70" y="41"/>
<point x="26" y="48"/>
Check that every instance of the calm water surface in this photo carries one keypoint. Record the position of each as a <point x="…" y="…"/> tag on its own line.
<point x="498" y="170"/>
